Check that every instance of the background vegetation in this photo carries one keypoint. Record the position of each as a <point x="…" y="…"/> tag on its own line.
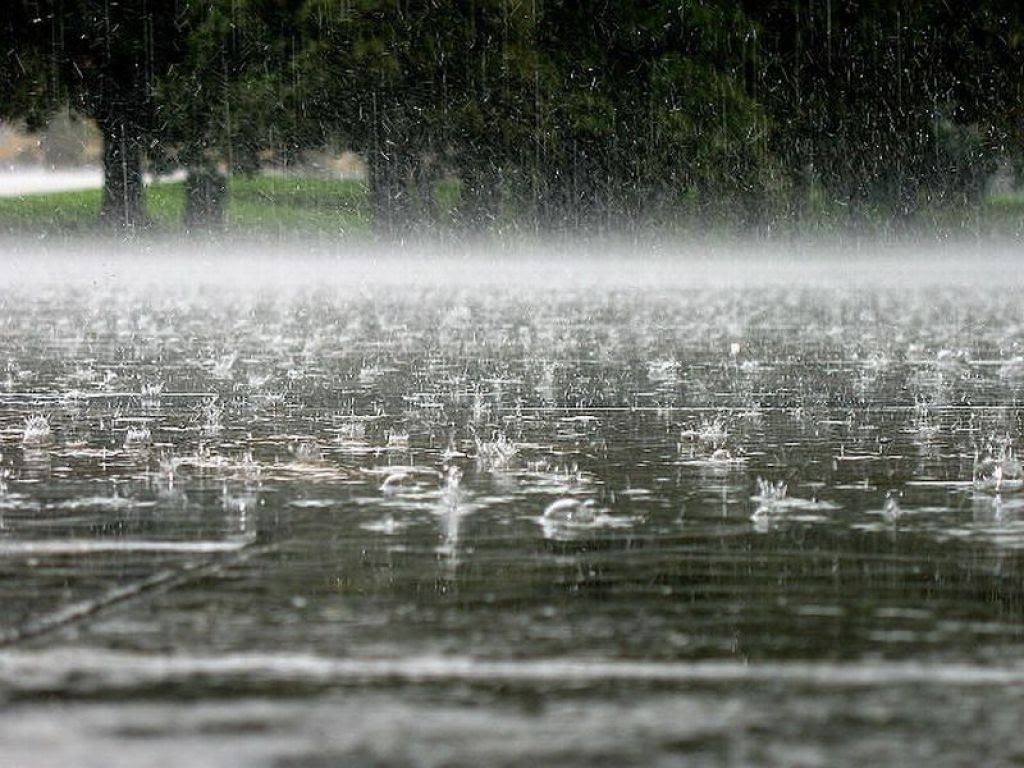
<point x="537" y="114"/>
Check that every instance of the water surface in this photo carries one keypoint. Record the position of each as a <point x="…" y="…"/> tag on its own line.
<point x="710" y="507"/>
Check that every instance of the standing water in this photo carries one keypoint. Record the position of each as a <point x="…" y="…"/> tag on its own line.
<point x="697" y="509"/>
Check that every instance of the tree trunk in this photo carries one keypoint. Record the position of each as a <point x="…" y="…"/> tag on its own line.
<point x="479" y="197"/>
<point x="205" y="195"/>
<point x="122" y="173"/>
<point x="424" y="177"/>
<point x="390" y="201"/>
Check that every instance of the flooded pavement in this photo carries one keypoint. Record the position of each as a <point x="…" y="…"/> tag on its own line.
<point x="399" y="512"/>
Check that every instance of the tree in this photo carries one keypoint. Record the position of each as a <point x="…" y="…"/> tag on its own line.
<point x="101" y="57"/>
<point x="230" y="100"/>
<point x="646" y="111"/>
<point x="888" y="106"/>
<point x="371" y="78"/>
<point x="569" y="113"/>
<point x="550" y="113"/>
<point x="21" y="68"/>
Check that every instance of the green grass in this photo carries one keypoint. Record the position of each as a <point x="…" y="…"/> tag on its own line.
<point x="298" y="204"/>
<point x="257" y="205"/>
<point x="165" y="205"/>
<point x="294" y="205"/>
<point x="50" y="212"/>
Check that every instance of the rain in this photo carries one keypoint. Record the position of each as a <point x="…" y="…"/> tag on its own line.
<point x="506" y="383"/>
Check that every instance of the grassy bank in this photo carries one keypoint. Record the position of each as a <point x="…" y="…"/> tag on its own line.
<point x="258" y="205"/>
<point x="290" y="205"/>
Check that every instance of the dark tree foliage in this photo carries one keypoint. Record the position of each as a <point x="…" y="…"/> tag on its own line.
<point x="544" y="114"/>
<point x="102" y="58"/>
<point x="231" y="102"/>
<point x="370" y="68"/>
<point x="649" y="116"/>
<point x="887" y="106"/>
<point x="423" y="89"/>
<point x="563" y="114"/>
